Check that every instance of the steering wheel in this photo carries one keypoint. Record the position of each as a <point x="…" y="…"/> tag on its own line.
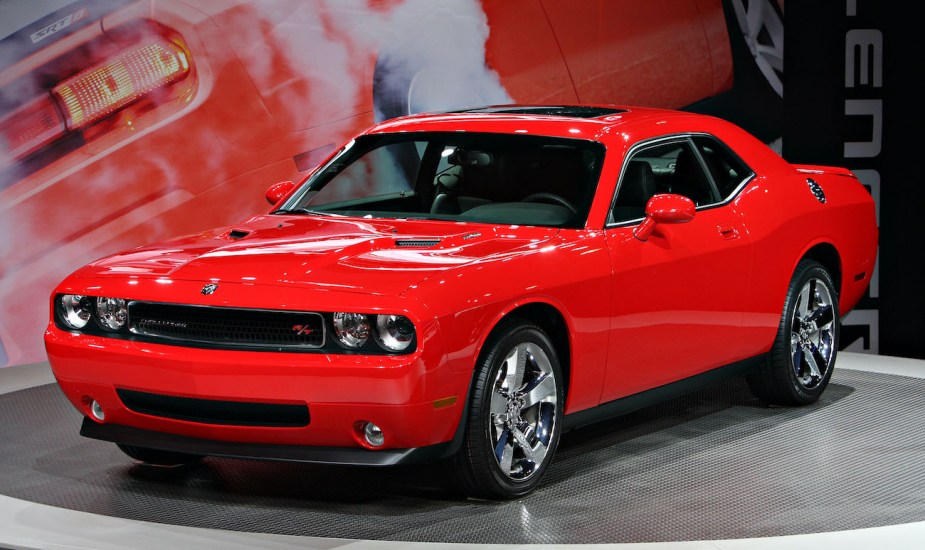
<point x="552" y="198"/>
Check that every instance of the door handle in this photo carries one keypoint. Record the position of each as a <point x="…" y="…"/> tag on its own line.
<point x="728" y="232"/>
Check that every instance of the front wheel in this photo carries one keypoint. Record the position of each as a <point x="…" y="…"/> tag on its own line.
<point x="515" y="415"/>
<point x="803" y="355"/>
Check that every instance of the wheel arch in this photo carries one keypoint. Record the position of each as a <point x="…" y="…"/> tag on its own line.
<point x="826" y="254"/>
<point x="553" y="322"/>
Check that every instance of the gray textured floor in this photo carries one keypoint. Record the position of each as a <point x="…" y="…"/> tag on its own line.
<point x="714" y="465"/>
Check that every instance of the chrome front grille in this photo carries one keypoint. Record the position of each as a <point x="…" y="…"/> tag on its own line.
<point x="226" y="327"/>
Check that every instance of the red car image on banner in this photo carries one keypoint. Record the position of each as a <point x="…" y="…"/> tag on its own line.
<point x="124" y="122"/>
<point x="468" y="285"/>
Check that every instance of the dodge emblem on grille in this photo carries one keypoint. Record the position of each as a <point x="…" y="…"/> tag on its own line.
<point x="302" y="329"/>
<point x="209" y="288"/>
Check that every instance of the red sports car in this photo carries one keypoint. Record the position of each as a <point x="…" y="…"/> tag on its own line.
<point x="467" y="286"/>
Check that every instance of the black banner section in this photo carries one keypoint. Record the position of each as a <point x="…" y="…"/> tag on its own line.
<point x="850" y="100"/>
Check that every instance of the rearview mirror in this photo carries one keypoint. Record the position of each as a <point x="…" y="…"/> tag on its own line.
<point x="277" y="191"/>
<point x="665" y="208"/>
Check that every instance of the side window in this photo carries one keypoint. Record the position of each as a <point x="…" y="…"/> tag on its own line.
<point x="636" y="187"/>
<point x="727" y="169"/>
<point x="687" y="176"/>
<point x="671" y="167"/>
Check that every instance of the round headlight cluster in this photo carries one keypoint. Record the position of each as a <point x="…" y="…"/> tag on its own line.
<point x="352" y="329"/>
<point x="111" y="313"/>
<point x="75" y="311"/>
<point x="393" y="332"/>
<point x="363" y="332"/>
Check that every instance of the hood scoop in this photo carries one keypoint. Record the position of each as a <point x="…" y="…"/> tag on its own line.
<point x="417" y="243"/>
<point x="238" y="234"/>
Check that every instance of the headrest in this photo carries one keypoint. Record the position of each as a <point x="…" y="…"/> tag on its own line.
<point x="463" y="157"/>
<point x="449" y="178"/>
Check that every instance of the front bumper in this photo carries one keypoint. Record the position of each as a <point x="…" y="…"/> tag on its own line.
<point x="414" y="400"/>
<point x="350" y="456"/>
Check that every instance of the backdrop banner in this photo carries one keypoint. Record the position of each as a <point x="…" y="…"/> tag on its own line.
<point x="849" y="102"/>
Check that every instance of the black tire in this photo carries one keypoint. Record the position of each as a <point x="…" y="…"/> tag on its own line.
<point x="531" y="417"/>
<point x="158" y="457"/>
<point x="803" y="356"/>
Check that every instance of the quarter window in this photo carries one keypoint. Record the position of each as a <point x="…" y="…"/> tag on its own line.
<point x="727" y="169"/>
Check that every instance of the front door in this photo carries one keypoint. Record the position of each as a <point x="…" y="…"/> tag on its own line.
<point x="678" y="297"/>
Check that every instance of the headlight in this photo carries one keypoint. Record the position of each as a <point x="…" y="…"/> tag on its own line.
<point x="394" y="332"/>
<point x="111" y="313"/>
<point x="74" y="310"/>
<point x="352" y="329"/>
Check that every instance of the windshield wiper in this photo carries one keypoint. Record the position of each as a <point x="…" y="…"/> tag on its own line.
<point x="301" y="211"/>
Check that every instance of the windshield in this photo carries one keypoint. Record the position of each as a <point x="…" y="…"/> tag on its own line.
<point x="490" y="178"/>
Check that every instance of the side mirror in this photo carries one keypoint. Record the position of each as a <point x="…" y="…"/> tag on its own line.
<point x="277" y="191"/>
<point x="665" y="208"/>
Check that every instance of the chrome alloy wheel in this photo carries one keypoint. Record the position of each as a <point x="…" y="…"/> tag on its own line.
<point x="812" y="334"/>
<point x="523" y="410"/>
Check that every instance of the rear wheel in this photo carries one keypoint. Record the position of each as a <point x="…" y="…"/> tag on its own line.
<point x="803" y="355"/>
<point x="515" y="416"/>
<point x="158" y="457"/>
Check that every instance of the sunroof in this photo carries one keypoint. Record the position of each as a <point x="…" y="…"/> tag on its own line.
<point x="573" y="111"/>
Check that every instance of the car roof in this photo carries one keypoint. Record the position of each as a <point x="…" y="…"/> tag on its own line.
<point x="612" y="125"/>
<point x="573" y="121"/>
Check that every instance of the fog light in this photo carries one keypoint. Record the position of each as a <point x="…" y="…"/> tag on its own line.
<point x="373" y="434"/>
<point x="97" y="410"/>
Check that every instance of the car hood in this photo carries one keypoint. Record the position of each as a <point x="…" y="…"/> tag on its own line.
<point x="334" y="253"/>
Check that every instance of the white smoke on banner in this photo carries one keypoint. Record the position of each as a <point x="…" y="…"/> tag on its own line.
<point x="340" y="58"/>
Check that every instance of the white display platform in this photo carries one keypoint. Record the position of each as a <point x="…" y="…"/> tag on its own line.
<point x="25" y="524"/>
